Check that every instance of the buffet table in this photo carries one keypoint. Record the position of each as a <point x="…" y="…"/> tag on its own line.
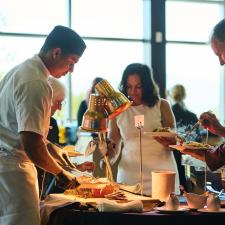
<point x="76" y="213"/>
<point x="70" y="216"/>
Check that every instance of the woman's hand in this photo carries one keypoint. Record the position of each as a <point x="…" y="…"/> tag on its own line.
<point x="86" y="166"/>
<point x="166" y="141"/>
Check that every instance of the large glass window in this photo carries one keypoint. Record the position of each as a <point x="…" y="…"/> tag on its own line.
<point x="115" y="33"/>
<point x="101" y="18"/>
<point x="195" y="67"/>
<point x="26" y="16"/>
<point x="14" y="50"/>
<point x="113" y="30"/>
<point x="191" y="21"/>
<point x="189" y="58"/>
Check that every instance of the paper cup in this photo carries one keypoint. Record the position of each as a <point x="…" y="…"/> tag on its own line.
<point x="163" y="183"/>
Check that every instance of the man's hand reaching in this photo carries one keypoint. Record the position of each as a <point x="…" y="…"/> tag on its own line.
<point x="66" y="180"/>
<point x="209" y="121"/>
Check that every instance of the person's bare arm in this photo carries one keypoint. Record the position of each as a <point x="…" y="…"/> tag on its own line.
<point x="114" y="135"/>
<point x="166" y="141"/>
<point x="198" y="154"/>
<point x="57" y="153"/>
<point x="36" y="150"/>
<point x="168" y="119"/>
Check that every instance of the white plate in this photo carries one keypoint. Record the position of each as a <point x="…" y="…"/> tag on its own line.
<point x="205" y="210"/>
<point x="163" y="209"/>
<point x="161" y="134"/>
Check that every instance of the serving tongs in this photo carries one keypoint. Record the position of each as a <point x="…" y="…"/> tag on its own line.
<point x="190" y="131"/>
<point x="181" y="140"/>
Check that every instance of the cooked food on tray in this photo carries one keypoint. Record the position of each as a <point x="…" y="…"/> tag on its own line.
<point x="93" y="188"/>
<point x="162" y="129"/>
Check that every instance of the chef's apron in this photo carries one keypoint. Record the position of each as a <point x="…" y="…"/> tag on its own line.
<point x="19" y="199"/>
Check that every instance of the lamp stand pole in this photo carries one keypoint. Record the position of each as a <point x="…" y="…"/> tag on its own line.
<point x="103" y="149"/>
<point x="141" y="161"/>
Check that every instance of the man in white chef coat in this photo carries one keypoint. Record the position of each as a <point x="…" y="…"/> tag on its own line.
<point x="25" y="107"/>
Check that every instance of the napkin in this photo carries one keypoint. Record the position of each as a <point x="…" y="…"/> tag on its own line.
<point x="106" y="205"/>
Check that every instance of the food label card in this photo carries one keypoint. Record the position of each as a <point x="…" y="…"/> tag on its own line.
<point x="139" y="121"/>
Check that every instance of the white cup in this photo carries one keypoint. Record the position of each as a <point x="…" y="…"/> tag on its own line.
<point x="163" y="183"/>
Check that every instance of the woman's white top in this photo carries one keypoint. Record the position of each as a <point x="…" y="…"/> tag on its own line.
<point x="155" y="156"/>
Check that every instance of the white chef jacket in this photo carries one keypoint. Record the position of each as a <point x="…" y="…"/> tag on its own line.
<point x="25" y="105"/>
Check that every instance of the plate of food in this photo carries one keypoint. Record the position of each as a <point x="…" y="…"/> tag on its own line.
<point x="191" y="145"/>
<point x="162" y="132"/>
<point x="196" y="145"/>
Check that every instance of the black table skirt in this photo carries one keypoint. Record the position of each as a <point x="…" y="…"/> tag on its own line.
<point x="69" y="216"/>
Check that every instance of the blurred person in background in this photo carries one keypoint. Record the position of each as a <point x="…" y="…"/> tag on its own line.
<point x="98" y="171"/>
<point x="46" y="179"/>
<point x="138" y="84"/>
<point x="84" y="103"/>
<point x="25" y="108"/>
<point x="58" y="99"/>
<point x="185" y="119"/>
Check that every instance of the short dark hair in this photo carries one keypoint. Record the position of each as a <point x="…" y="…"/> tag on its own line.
<point x="149" y="87"/>
<point x="65" y="38"/>
<point x="219" y="31"/>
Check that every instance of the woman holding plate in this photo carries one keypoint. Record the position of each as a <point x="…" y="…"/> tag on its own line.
<point x="138" y="84"/>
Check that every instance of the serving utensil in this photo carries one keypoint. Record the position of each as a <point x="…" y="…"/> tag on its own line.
<point x="190" y="131"/>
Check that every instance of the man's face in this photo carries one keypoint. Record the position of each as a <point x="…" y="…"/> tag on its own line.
<point x="61" y="64"/>
<point x="219" y="50"/>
